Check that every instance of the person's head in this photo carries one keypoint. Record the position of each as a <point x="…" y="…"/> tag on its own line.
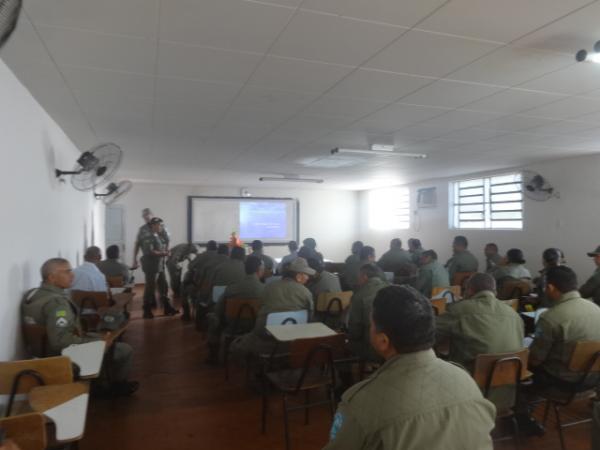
<point x="490" y="250"/>
<point x="310" y="243"/>
<point x="93" y="254"/>
<point x="367" y="253"/>
<point x="299" y="271"/>
<point x="402" y="321"/>
<point x="306" y="253"/>
<point x="192" y="248"/>
<point x="356" y="247"/>
<point x="414" y="244"/>
<point x="147" y="215"/>
<point x="459" y="244"/>
<point x="57" y="272"/>
<point x="293" y="246"/>
<point x="396" y="243"/>
<point x="480" y="282"/>
<point x="596" y="255"/>
<point x="155" y="224"/>
<point x="238" y="253"/>
<point x="257" y="246"/>
<point x="552" y="257"/>
<point x="112" y="252"/>
<point x="315" y="264"/>
<point x="254" y="265"/>
<point x="211" y="246"/>
<point x="223" y="249"/>
<point x="515" y="256"/>
<point x="427" y="257"/>
<point x="559" y="281"/>
<point x="366" y="272"/>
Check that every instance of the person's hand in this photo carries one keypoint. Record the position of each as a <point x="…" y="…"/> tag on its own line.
<point x="135" y="264"/>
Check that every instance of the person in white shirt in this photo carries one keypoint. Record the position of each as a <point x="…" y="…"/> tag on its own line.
<point x="293" y="246"/>
<point x="87" y="276"/>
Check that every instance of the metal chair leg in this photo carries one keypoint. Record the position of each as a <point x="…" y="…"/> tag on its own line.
<point x="306" y="408"/>
<point x="515" y="425"/>
<point x="285" y="423"/>
<point x="226" y="344"/>
<point x="332" y="402"/>
<point x="559" y="427"/>
<point x="265" y="406"/>
<point x="546" y="411"/>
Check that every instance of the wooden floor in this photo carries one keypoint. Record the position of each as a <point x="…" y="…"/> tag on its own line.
<point x="184" y="404"/>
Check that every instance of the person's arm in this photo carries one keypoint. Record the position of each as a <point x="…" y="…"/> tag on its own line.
<point x="588" y="289"/>
<point x="136" y="250"/>
<point x="542" y="343"/>
<point x="346" y="433"/>
<point x="424" y="282"/>
<point x="61" y="325"/>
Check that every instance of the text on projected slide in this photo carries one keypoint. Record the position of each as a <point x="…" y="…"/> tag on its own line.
<point x="264" y="220"/>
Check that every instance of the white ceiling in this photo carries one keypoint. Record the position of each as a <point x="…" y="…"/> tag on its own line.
<point x="220" y="92"/>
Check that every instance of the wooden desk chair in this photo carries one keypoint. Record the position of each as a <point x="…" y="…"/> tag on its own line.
<point x="331" y="306"/>
<point x="116" y="281"/>
<point x="514" y="288"/>
<point x="453" y="292"/>
<point x="438" y="305"/>
<point x="585" y="360"/>
<point x="497" y="370"/>
<point x="90" y="304"/>
<point x="36" y="340"/>
<point x="28" y="431"/>
<point x="240" y="314"/>
<point x="311" y="363"/>
<point x="513" y="303"/>
<point x="460" y="279"/>
<point x="19" y="377"/>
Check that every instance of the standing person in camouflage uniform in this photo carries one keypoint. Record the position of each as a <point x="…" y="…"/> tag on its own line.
<point x="414" y="400"/>
<point x="153" y="264"/>
<point x="178" y="255"/>
<point x="50" y="307"/>
<point x="591" y="288"/>
<point x="146" y="231"/>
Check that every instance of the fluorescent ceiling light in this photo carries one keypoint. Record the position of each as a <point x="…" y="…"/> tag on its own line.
<point x="382" y="148"/>
<point x="378" y="152"/>
<point x="292" y="179"/>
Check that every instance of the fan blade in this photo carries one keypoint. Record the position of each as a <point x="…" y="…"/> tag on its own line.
<point x="101" y="163"/>
<point x="122" y="188"/>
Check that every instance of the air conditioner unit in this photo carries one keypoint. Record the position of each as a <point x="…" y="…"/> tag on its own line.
<point x="427" y="197"/>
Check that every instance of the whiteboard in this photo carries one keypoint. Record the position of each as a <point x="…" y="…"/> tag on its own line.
<point x="272" y="220"/>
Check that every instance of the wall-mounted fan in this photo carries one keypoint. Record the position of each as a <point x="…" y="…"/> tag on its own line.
<point x="537" y="188"/>
<point x="114" y="191"/>
<point x="9" y="14"/>
<point x="94" y="167"/>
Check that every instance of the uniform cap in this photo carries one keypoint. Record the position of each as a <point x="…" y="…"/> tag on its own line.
<point x="595" y="252"/>
<point x="146" y="212"/>
<point x="300" y="265"/>
<point x="155" y="220"/>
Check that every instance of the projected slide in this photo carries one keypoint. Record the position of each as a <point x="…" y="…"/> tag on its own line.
<point x="272" y="220"/>
<point x="265" y="219"/>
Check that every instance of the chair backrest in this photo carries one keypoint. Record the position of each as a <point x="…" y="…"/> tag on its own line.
<point x="305" y="353"/>
<point x="217" y="291"/>
<point x="439" y="305"/>
<point x="513" y="303"/>
<point x="241" y="308"/>
<point x="460" y="278"/>
<point x="500" y="369"/>
<point x="54" y="370"/>
<point x="271" y="279"/>
<point x="325" y="299"/>
<point x="36" y="340"/>
<point x="584" y="357"/>
<point x="446" y="291"/>
<point x="28" y="431"/>
<point x="514" y="288"/>
<point x="288" y="317"/>
<point x="90" y="299"/>
<point x="115" y="281"/>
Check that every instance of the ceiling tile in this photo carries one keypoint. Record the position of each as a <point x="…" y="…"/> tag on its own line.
<point x="377" y="85"/>
<point x="118" y="83"/>
<point x="471" y="134"/>
<point x="273" y="99"/>
<point x="120" y="105"/>
<point x="458" y="119"/>
<point x="568" y="108"/>
<point x="450" y="94"/>
<point x="333" y="39"/>
<point x="401" y="115"/>
<point x="203" y="114"/>
<point x="227" y="24"/>
<point x="497" y="21"/>
<point x="575" y="79"/>
<point x="343" y="107"/>
<point x="516" y="122"/>
<point x="197" y="92"/>
<point x="297" y="75"/>
<point x="563" y="127"/>
<point x="429" y="54"/>
<point x="513" y="101"/>
<point x="387" y="11"/>
<point x="188" y="61"/>
<point x="125" y="17"/>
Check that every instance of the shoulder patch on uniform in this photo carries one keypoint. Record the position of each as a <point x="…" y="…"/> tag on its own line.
<point x="29" y="320"/>
<point x="61" y="322"/>
<point x="338" y="421"/>
<point x="61" y="313"/>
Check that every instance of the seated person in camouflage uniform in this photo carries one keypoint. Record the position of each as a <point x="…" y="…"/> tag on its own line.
<point x="415" y="248"/>
<point x="367" y="256"/>
<point x="179" y="254"/>
<point x="415" y="400"/>
<point x="352" y="265"/>
<point x="396" y="258"/>
<point x="591" y="288"/>
<point x="462" y="259"/>
<point x="112" y="267"/>
<point x="551" y="257"/>
<point x="249" y="287"/>
<point x="292" y="255"/>
<point x="269" y="263"/>
<point x="492" y="257"/>
<point x="322" y="281"/>
<point x="479" y="324"/>
<point x="431" y="274"/>
<point x="512" y="267"/>
<point x="230" y="271"/>
<point x="51" y="307"/>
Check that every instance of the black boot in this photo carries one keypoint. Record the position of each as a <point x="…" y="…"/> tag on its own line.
<point x="186" y="311"/>
<point x="169" y="310"/>
<point x="148" y="313"/>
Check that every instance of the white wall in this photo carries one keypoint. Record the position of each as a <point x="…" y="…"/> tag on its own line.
<point x="41" y="218"/>
<point x="571" y="223"/>
<point x="329" y="216"/>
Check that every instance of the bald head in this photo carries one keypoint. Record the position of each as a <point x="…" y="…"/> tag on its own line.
<point x="480" y="282"/>
<point x="51" y="266"/>
<point x="57" y="272"/>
